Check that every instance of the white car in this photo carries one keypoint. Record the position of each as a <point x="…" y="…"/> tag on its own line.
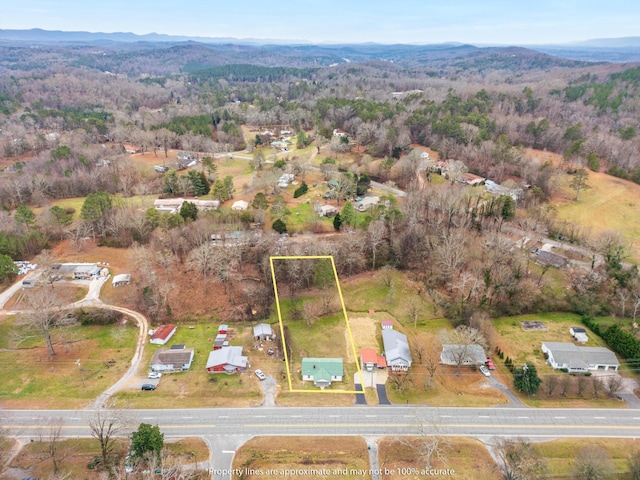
<point x="154" y="375"/>
<point x="260" y="374"/>
<point x="485" y="371"/>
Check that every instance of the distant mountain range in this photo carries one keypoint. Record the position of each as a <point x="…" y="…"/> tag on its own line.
<point x="626" y="49"/>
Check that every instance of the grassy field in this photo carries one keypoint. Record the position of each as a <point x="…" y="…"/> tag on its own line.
<point x="468" y="458"/>
<point x="76" y="454"/>
<point x="594" y="209"/>
<point x="370" y="292"/>
<point x="197" y="388"/>
<point x="560" y="455"/>
<point x="33" y="380"/>
<point x="341" y="457"/>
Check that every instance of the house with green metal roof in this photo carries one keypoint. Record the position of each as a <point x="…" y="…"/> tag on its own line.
<point x="322" y="371"/>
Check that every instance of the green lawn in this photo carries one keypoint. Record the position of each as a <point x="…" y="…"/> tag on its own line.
<point x="32" y="380"/>
<point x="197" y="387"/>
<point x="560" y="455"/>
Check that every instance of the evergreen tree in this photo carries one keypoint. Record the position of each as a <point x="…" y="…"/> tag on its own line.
<point x="8" y="269"/>
<point x="260" y="201"/>
<point x="24" y="216"/>
<point x="279" y="226"/>
<point x="199" y="182"/>
<point x="189" y="211"/>
<point x="348" y="214"/>
<point x="337" y="222"/>
<point x="526" y="379"/>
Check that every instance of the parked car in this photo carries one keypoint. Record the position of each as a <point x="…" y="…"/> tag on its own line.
<point x="148" y="386"/>
<point x="260" y="374"/>
<point x="154" y="375"/>
<point x="489" y="364"/>
<point x="485" y="371"/>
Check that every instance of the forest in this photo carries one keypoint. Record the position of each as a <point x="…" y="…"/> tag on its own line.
<point x="66" y="112"/>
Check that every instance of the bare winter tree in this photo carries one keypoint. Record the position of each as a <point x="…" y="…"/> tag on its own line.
<point x="429" y="444"/>
<point x="459" y="342"/>
<point x="593" y="463"/>
<point x="107" y="426"/>
<point x="46" y="314"/>
<point x="53" y="441"/>
<point x="517" y="459"/>
<point x="376" y="233"/>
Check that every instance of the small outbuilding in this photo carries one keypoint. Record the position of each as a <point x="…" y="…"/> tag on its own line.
<point x="263" y="331"/>
<point x="121" y="279"/>
<point x="240" y="205"/>
<point x="163" y="334"/>
<point x="579" y="334"/>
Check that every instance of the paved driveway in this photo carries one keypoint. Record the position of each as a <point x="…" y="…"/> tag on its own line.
<point x="382" y="394"/>
<point x="360" y="398"/>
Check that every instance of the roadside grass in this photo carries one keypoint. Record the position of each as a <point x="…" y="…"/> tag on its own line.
<point x="560" y="454"/>
<point x="334" y="454"/>
<point x="595" y="207"/>
<point x="469" y="389"/>
<point x="467" y="457"/>
<point x="75" y="454"/>
<point x="196" y="387"/>
<point x="186" y="450"/>
<point x="33" y="380"/>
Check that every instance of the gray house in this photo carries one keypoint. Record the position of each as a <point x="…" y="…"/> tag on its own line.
<point x="172" y="360"/>
<point x="396" y="350"/>
<point x="263" y="331"/>
<point x="579" y="359"/>
<point x="462" y="355"/>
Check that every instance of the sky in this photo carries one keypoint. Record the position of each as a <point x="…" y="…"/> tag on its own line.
<point x="512" y="22"/>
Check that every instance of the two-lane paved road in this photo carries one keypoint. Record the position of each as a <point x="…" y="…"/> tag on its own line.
<point x="225" y="429"/>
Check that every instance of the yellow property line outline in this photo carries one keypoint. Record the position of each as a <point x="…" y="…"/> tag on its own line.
<point x="344" y="312"/>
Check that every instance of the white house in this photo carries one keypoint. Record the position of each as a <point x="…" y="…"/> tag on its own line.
<point x="327" y="211"/>
<point x="240" y="205"/>
<point x="564" y="355"/>
<point x="172" y="360"/>
<point x="227" y="360"/>
<point x="322" y="371"/>
<point x="396" y="350"/>
<point x="367" y="202"/>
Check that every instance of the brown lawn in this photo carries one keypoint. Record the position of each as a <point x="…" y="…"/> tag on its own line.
<point x="309" y="457"/>
<point x="468" y="458"/>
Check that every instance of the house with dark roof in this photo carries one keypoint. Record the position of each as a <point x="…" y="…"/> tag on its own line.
<point x="322" y="371"/>
<point x="227" y="360"/>
<point x="370" y="360"/>
<point x="163" y="334"/>
<point x="575" y="359"/>
<point x="396" y="350"/>
<point x="172" y="360"/>
<point x="550" y="259"/>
